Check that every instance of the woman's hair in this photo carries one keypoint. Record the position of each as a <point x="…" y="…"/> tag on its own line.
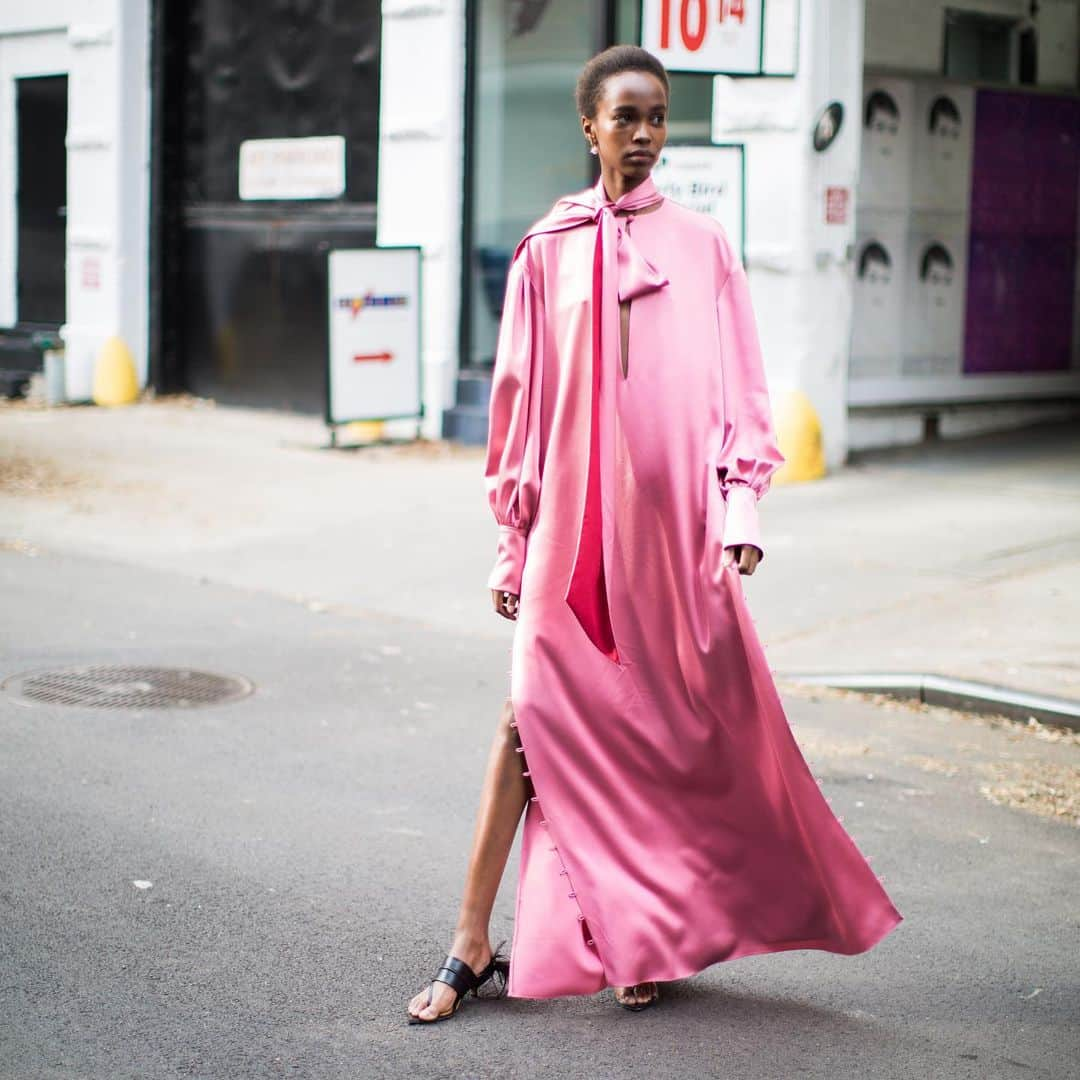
<point x="610" y="62"/>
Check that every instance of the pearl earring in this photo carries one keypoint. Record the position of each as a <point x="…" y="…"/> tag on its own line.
<point x="593" y="149"/>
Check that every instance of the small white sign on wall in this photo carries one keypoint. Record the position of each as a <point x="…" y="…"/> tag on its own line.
<point x="374" y="335"/>
<point x="708" y="179"/>
<point x="311" y="168"/>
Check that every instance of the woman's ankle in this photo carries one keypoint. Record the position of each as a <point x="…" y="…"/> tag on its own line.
<point x="472" y="939"/>
<point x="472" y="933"/>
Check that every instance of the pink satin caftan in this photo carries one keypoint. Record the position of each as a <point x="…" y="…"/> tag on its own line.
<point x="673" y="822"/>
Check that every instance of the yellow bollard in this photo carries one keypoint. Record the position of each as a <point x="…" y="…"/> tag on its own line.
<point x="115" y="381"/>
<point x="366" y="431"/>
<point x="798" y="432"/>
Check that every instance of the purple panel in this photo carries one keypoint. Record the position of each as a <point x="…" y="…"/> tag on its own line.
<point x="1047" y="302"/>
<point x="992" y="338"/>
<point x="1022" y="247"/>
<point x="998" y="159"/>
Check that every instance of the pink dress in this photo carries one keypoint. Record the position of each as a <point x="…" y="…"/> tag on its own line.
<point x="673" y="821"/>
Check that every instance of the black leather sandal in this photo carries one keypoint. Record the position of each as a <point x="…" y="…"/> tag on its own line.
<point x="463" y="980"/>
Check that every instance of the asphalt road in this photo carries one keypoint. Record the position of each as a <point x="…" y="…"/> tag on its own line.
<point x="305" y="848"/>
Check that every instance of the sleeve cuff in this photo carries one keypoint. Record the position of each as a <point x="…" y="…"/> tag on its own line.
<point x="509" y="560"/>
<point x="741" y="517"/>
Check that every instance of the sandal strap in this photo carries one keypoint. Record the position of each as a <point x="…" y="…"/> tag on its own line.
<point x="457" y="975"/>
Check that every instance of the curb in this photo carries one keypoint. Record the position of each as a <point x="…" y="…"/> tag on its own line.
<point x="953" y="694"/>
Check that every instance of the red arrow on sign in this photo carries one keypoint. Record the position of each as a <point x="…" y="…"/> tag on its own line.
<point x="380" y="357"/>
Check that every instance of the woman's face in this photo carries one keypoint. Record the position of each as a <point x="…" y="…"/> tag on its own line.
<point x="630" y="126"/>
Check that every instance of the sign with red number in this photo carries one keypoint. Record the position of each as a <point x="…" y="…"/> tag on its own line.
<point x="719" y="36"/>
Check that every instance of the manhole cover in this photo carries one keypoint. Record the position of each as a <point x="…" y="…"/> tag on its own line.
<point x="127" y="687"/>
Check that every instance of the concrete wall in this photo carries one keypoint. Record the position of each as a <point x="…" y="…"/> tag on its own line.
<point x="911" y="36"/>
<point x="103" y="48"/>
<point x="799" y="266"/>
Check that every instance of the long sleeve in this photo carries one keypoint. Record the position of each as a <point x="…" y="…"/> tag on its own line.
<point x="748" y="454"/>
<point x="512" y="471"/>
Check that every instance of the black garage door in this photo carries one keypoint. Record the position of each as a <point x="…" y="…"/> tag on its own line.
<point x="238" y="304"/>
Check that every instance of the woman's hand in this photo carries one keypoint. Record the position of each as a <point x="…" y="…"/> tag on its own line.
<point x="506" y="603"/>
<point x="745" y="556"/>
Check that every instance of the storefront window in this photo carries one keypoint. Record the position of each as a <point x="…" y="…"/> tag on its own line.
<point x="527" y="146"/>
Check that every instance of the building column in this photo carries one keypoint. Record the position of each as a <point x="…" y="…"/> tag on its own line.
<point x="799" y="259"/>
<point x="421" y="155"/>
<point x="108" y="186"/>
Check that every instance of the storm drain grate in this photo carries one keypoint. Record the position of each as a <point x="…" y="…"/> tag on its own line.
<point x="101" y="687"/>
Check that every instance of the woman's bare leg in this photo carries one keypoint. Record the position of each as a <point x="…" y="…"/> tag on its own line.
<point x="502" y="800"/>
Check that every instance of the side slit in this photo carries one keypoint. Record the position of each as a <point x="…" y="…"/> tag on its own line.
<point x="564" y="871"/>
<point x="624" y="335"/>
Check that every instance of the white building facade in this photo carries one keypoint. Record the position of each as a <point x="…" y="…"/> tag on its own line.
<point x="96" y="52"/>
<point x="911" y="274"/>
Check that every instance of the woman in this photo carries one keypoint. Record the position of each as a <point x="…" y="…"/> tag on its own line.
<point x="671" y="821"/>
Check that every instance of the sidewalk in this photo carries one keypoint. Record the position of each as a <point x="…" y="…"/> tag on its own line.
<point x="959" y="559"/>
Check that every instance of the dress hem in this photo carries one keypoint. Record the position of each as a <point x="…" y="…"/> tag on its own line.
<point x="819" y="944"/>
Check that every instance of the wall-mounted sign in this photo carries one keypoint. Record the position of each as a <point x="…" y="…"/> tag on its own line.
<point x="828" y="125"/>
<point x="90" y="275"/>
<point x="837" y="199"/>
<point x="709" y="179"/>
<point x="311" y="168"/>
<point x="728" y="37"/>
<point x="374" y="335"/>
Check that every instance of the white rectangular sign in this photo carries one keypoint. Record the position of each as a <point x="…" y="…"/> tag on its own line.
<point x="708" y="179"/>
<point x="720" y="36"/>
<point x="312" y="168"/>
<point x="374" y="335"/>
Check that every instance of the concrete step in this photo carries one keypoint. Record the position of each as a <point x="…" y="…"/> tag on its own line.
<point x="466" y="424"/>
<point x="474" y="388"/>
<point x="467" y="421"/>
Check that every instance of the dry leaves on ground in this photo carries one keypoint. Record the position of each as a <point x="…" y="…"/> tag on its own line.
<point x="21" y="475"/>
<point x="1046" y="788"/>
<point x="1039" y="787"/>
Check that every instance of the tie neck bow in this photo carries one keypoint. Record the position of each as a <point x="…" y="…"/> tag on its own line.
<point x="631" y="273"/>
